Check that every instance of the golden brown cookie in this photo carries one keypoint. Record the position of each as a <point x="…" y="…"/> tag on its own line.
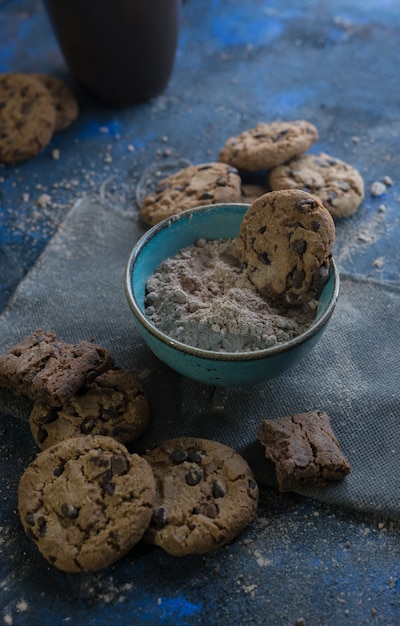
<point x="337" y="184"/>
<point x="85" y="502"/>
<point x="196" y="185"/>
<point x="251" y="192"/>
<point x="64" y="101"/>
<point x="268" y="145"/>
<point x="114" y="404"/>
<point x="285" y="241"/>
<point x="27" y="117"/>
<point x="304" y="450"/>
<point x="205" y="495"/>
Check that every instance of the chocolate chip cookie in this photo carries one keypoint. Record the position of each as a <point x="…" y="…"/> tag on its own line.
<point x="49" y="370"/>
<point x="284" y="242"/>
<point x="114" y="404"/>
<point x="27" y="117"/>
<point x="64" y="101"/>
<point x="205" y="495"/>
<point x="196" y="185"/>
<point x="85" y="502"/>
<point x="304" y="449"/>
<point x="337" y="184"/>
<point x="268" y="145"/>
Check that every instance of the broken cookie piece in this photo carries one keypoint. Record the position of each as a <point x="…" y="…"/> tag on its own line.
<point x="49" y="370"/>
<point x="304" y="450"/>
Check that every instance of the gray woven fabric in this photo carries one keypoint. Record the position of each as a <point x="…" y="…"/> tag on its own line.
<point x="76" y="290"/>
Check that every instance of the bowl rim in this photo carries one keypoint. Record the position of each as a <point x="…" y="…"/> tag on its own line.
<point x="211" y="355"/>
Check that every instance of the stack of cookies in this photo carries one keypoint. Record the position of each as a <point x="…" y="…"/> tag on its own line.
<point x="32" y="107"/>
<point x="273" y="157"/>
<point x="86" y="500"/>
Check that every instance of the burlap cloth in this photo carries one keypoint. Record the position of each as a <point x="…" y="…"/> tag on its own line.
<point x="76" y="289"/>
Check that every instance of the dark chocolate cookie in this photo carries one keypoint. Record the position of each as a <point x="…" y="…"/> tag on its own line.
<point x="206" y="495"/>
<point x="85" y="502"/>
<point x="49" y="370"/>
<point x="304" y="449"/>
<point x="285" y="241"/>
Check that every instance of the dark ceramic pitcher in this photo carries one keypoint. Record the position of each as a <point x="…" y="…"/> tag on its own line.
<point x="122" y="51"/>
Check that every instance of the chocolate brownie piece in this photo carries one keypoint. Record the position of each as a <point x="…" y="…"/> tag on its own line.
<point x="304" y="450"/>
<point x="49" y="370"/>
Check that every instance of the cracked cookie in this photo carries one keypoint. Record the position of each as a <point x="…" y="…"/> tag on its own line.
<point x="205" y="495"/>
<point x="114" y="404"/>
<point x="85" y="502"/>
<point x="337" y="184"/>
<point x="48" y="370"/>
<point x="284" y="242"/>
<point x="192" y="186"/>
<point x="27" y="117"/>
<point x="304" y="450"/>
<point x="268" y="145"/>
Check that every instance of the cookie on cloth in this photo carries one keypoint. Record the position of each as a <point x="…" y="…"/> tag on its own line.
<point x="85" y="502"/>
<point x="192" y="186"/>
<point x="205" y="495"/>
<point x="114" y="405"/>
<point x="285" y="242"/>
<point x="338" y="185"/>
<point x="268" y="145"/>
<point x="27" y="117"/>
<point x="64" y="101"/>
<point x="304" y="450"/>
<point x="48" y="370"/>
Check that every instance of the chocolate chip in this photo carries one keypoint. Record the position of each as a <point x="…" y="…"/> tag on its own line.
<point x="315" y="226"/>
<point x="87" y="426"/>
<point x="305" y="205"/>
<point x="30" y="518"/>
<point x="298" y="278"/>
<point x="195" y="456"/>
<point x="119" y="465"/>
<point x="264" y="258"/>
<point x="262" y="230"/>
<point x="219" y="489"/>
<point x="319" y="278"/>
<point x="252" y="484"/>
<point x="299" y="246"/>
<point x="159" y="517"/>
<point x="211" y="510"/>
<point x="178" y="455"/>
<point x="194" y="476"/>
<point x="70" y="511"/>
<point x="221" y="181"/>
<point x="42" y="526"/>
<point x="42" y="435"/>
<point x="206" y="196"/>
<point x="57" y="471"/>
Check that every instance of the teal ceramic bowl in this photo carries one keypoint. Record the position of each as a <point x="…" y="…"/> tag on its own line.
<point x="218" y="221"/>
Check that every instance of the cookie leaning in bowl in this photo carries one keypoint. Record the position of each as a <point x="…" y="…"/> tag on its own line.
<point x="268" y="145"/>
<point x="337" y="184"/>
<point x="49" y="370"/>
<point x="192" y="186"/>
<point x="205" y="495"/>
<point x="114" y="404"/>
<point x="27" y="117"/>
<point x="85" y="502"/>
<point x="285" y="242"/>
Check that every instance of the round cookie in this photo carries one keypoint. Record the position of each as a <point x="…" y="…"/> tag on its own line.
<point x="27" y="117"/>
<point x="285" y="241"/>
<point x="268" y="145"/>
<point x="85" y="502"/>
<point x="337" y="184"/>
<point x="114" y="405"/>
<point x="65" y="103"/>
<point x="205" y="495"/>
<point x="196" y="185"/>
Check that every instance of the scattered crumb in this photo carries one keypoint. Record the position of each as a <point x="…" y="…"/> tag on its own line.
<point x="378" y="188"/>
<point x="55" y="154"/>
<point x="44" y="200"/>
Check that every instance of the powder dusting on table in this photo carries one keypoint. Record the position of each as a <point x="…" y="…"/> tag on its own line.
<point x="204" y="298"/>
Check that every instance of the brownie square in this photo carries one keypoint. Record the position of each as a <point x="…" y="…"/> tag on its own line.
<point x="304" y="450"/>
<point x="49" y="370"/>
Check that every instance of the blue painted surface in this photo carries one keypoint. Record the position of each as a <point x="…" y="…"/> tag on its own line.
<point x="335" y="63"/>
